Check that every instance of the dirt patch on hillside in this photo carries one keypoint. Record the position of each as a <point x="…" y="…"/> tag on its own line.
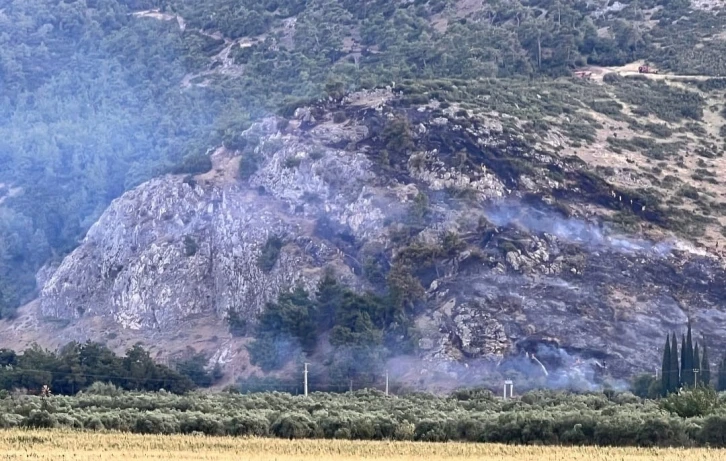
<point x="689" y="179"/>
<point x="631" y="69"/>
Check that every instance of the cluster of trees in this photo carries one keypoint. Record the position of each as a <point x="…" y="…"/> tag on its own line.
<point x="476" y="416"/>
<point x="76" y="366"/>
<point x="691" y="370"/>
<point x="362" y="330"/>
<point x="687" y="368"/>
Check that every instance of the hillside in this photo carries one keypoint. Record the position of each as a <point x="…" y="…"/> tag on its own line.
<point x="440" y="158"/>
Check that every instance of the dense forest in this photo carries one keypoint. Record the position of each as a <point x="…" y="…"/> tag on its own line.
<point x="95" y="100"/>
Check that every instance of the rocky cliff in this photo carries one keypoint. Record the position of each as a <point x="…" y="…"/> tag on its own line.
<point x="508" y="241"/>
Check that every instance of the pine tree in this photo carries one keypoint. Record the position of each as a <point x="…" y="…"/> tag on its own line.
<point x="674" y="382"/>
<point x="665" y="370"/>
<point x="705" y="368"/>
<point x="696" y="365"/>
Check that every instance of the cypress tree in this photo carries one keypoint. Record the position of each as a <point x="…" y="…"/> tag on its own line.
<point x="689" y="365"/>
<point x="696" y="365"/>
<point x="684" y="360"/>
<point x="674" y="382"/>
<point x="721" y="384"/>
<point x="705" y="368"/>
<point x="665" y="369"/>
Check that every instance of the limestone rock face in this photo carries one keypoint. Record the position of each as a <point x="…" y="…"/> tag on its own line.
<point x="170" y="250"/>
<point x="500" y="281"/>
<point x="176" y="248"/>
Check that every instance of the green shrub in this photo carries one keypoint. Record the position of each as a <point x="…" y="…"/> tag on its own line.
<point x="248" y="165"/>
<point x="38" y="419"/>
<point x="339" y="117"/>
<point x="293" y="426"/>
<point x="93" y="423"/>
<point x="190" y="246"/>
<point x="689" y="403"/>
<point x="641" y="385"/>
<point x="197" y="163"/>
<point x="247" y="425"/>
<point x="194" y="367"/>
<point x="667" y="102"/>
<point x="713" y="431"/>
<point x="712" y="84"/>
<point x="237" y="323"/>
<point x="156" y="423"/>
<point x="317" y="154"/>
<point x="105" y="389"/>
<point x="270" y="253"/>
<point x="293" y="162"/>
<point x="606" y="106"/>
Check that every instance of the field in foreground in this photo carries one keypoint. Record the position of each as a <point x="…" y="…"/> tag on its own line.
<point x="53" y="445"/>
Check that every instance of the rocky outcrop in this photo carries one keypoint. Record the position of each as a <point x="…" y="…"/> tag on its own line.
<point x="170" y="250"/>
<point x="540" y="270"/>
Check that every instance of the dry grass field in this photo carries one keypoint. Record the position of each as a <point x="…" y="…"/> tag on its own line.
<point x="86" y="446"/>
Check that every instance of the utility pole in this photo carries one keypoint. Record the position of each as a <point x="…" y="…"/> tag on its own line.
<point x="508" y="389"/>
<point x="386" y="382"/>
<point x="306" y="379"/>
<point x="695" y="377"/>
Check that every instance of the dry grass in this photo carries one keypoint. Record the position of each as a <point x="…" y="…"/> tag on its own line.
<point x="86" y="446"/>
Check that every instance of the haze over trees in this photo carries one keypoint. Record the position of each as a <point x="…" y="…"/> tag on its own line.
<point x="93" y="101"/>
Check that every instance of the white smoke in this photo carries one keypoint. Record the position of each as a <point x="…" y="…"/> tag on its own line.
<point x="548" y="367"/>
<point x="572" y="230"/>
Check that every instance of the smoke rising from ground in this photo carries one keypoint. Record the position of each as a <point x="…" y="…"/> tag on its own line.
<point x="548" y="368"/>
<point x="570" y="229"/>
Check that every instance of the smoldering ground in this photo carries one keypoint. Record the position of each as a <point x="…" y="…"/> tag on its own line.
<point x="596" y="236"/>
<point x="549" y="368"/>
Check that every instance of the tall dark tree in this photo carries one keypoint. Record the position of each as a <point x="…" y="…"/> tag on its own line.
<point x="684" y="360"/>
<point x="665" y="369"/>
<point x="688" y="366"/>
<point x="721" y="384"/>
<point x="674" y="380"/>
<point x="696" y="366"/>
<point x="705" y="368"/>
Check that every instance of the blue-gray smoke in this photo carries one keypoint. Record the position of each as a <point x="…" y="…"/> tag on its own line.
<point x="572" y="230"/>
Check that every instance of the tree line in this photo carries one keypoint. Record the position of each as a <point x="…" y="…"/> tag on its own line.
<point x="361" y="329"/>
<point x="687" y="367"/>
<point x="77" y="366"/>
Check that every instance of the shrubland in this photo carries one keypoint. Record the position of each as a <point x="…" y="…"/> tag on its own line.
<point x="543" y="417"/>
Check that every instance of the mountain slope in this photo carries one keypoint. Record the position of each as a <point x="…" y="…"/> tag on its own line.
<point x="421" y="191"/>
<point x="506" y="240"/>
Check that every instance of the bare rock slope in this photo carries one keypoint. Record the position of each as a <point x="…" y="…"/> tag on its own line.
<point x="531" y="264"/>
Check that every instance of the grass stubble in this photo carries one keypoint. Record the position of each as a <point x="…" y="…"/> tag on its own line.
<point x="47" y="445"/>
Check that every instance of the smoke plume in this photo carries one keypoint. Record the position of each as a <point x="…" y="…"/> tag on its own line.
<point x="578" y="231"/>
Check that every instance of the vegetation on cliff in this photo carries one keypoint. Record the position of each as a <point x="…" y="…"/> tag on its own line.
<point x="97" y="99"/>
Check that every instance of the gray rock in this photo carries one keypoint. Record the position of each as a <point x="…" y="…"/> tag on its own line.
<point x="177" y="249"/>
